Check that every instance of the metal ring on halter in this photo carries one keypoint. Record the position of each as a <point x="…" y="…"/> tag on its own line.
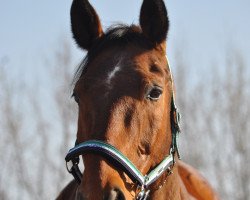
<point x="69" y="169"/>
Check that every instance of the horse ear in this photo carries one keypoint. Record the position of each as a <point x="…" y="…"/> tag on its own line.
<point x="85" y="23"/>
<point x="154" y="20"/>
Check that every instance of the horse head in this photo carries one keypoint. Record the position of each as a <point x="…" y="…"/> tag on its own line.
<point x="124" y="92"/>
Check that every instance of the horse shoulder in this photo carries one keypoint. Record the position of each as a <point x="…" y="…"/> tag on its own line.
<point x="69" y="192"/>
<point x="195" y="183"/>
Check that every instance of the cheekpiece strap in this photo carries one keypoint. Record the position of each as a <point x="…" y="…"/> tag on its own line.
<point x="175" y="120"/>
<point x="175" y="129"/>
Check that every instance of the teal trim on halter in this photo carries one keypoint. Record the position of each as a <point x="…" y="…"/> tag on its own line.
<point x="113" y="154"/>
<point x="109" y="151"/>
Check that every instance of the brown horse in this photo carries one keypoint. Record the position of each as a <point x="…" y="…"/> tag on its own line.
<point x="124" y="90"/>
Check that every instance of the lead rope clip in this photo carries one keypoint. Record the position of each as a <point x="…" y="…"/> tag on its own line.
<point x="73" y="168"/>
<point x="143" y="194"/>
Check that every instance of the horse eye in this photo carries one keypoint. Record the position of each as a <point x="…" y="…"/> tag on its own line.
<point x="155" y="93"/>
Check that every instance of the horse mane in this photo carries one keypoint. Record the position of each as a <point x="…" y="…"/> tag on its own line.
<point x="119" y="35"/>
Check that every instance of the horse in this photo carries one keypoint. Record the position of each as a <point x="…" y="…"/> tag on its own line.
<point x="128" y="123"/>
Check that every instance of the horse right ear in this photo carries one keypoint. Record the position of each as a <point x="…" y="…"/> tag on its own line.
<point x="85" y="24"/>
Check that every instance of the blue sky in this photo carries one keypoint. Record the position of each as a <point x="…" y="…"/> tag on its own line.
<point x="202" y="29"/>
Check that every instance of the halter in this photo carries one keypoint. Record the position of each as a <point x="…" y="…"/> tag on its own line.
<point x="119" y="160"/>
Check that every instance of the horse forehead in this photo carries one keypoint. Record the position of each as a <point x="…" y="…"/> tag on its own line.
<point x="129" y="66"/>
<point x="115" y="69"/>
<point x="113" y="72"/>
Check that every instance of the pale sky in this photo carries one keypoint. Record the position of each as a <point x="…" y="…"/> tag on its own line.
<point x="32" y="29"/>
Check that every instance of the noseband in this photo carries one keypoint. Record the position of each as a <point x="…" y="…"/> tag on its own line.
<point x="120" y="161"/>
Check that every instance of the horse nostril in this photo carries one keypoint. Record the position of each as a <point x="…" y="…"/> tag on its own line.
<point x="115" y="194"/>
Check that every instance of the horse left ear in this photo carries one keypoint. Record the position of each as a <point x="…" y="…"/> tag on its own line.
<point x="85" y="24"/>
<point x="154" y="20"/>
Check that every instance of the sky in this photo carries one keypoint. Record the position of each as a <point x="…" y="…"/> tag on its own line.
<point x="201" y="29"/>
<point x="205" y="32"/>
